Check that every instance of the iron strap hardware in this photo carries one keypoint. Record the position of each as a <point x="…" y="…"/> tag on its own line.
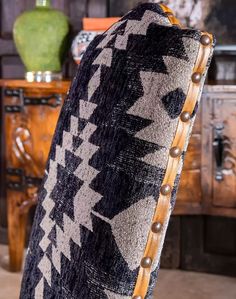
<point x="53" y="100"/>
<point x="19" y="181"/>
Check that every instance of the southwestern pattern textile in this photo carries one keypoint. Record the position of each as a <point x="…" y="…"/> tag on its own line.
<point x="108" y="160"/>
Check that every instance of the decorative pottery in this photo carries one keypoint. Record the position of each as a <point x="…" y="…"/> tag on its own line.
<point x="91" y="28"/>
<point x="81" y="42"/>
<point x="40" y="36"/>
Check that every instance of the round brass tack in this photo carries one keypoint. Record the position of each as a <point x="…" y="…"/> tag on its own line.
<point x="205" y="40"/>
<point x="136" y="297"/>
<point x="146" y="262"/>
<point x="196" y="77"/>
<point x="175" y="152"/>
<point x="156" y="227"/>
<point x="165" y="189"/>
<point x="185" y="116"/>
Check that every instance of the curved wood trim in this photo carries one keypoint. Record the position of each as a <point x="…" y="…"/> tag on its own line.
<point x="163" y="209"/>
<point x="170" y="15"/>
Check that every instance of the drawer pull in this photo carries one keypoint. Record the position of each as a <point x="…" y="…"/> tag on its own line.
<point x="218" y="149"/>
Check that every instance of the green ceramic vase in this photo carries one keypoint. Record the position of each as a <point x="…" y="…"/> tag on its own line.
<point x="40" y="36"/>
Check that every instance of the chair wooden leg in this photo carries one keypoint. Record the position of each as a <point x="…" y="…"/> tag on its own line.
<point x="16" y="230"/>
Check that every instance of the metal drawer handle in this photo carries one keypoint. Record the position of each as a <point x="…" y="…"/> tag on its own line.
<point x="218" y="149"/>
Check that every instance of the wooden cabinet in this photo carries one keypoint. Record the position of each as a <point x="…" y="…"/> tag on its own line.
<point x="208" y="182"/>
<point x="30" y="113"/>
<point x="203" y="238"/>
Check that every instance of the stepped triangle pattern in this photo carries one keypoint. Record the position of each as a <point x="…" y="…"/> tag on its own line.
<point x="108" y="160"/>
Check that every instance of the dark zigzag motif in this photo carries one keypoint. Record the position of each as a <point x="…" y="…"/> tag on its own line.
<point x="66" y="188"/>
<point x="89" y="269"/>
<point x="124" y="142"/>
<point x="138" y="12"/>
<point x="35" y="253"/>
<point x="31" y="269"/>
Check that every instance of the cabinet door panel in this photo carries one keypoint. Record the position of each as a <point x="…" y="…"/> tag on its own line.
<point x="193" y="155"/>
<point x="218" y="162"/>
<point x="29" y="133"/>
<point x="190" y="187"/>
<point x="189" y="197"/>
<point x="224" y="188"/>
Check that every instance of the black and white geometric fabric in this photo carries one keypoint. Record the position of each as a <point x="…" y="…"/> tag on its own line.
<point x="108" y="159"/>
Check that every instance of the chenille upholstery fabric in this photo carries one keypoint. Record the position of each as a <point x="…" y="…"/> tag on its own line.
<point x="108" y="160"/>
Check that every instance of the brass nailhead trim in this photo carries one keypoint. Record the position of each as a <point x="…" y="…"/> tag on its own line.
<point x="175" y="152"/>
<point x="170" y="15"/>
<point x="146" y="262"/>
<point x="196" y="77"/>
<point x="165" y="189"/>
<point x="154" y="240"/>
<point x="185" y="116"/>
<point x="156" y="227"/>
<point x="205" y="40"/>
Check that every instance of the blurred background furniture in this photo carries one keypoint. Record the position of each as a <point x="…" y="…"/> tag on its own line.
<point x="201" y="235"/>
<point x="208" y="182"/>
<point x="30" y="112"/>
